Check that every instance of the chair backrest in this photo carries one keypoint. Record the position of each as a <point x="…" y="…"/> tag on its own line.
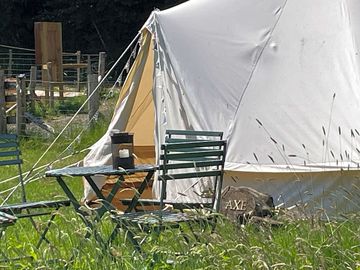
<point x="173" y="136"/>
<point x="10" y="155"/>
<point x="193" y="160"/>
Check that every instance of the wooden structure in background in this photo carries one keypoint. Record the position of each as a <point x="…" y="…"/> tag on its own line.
<point x="48" y="49"/>
<point x="20" y="104"/>
<point x="3" y="126"/>
<point x="13" y="102"/>
<point x="94" y="101"/>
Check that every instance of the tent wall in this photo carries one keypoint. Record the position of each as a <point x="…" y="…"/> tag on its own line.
<point x="280" y="78"/>
<point x="232" y="65"/>
<point x="335" y="192"/>
<point x="135" y="97"/>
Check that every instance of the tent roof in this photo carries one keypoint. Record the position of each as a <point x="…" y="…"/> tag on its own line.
<point x="280" y="78"/>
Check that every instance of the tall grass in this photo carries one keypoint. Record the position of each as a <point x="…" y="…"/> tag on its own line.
<point x="299" y="244"/>
<point x="308" y="244"/>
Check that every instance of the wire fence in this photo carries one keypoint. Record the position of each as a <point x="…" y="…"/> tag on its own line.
<point x="76" y="70"/>
<point x="69" y="130"/>
<point x="16" y="60"/>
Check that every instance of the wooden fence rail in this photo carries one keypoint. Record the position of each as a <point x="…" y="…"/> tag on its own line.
<point x="17" y="101"/>
<point x="15" y="61"/>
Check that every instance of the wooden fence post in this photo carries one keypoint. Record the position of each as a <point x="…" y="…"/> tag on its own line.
<point x="9" y="73"/>
<point x="50" y="85"/>
<point x="45" y="82"/>
<point x="3" y="124"/>
<point x="32" y="86"/>
<point x="101" y="68"/>
<point x="78" y="60"/>
<point x="94" y="101"/>
<point x="20" y="104"/>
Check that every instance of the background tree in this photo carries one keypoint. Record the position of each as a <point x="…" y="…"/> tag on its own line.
<point x="88" y="25"/>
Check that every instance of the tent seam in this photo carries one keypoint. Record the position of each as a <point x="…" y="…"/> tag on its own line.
<point x="257" y="61"/>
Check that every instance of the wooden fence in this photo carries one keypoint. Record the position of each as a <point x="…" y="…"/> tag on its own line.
<point x="15" y="61"/>
<point x="18" y="97"/>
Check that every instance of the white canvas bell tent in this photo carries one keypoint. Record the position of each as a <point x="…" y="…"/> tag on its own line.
<point x="279" y="78"/>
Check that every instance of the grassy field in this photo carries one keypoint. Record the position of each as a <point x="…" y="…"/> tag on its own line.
<point x="298" y="244"/>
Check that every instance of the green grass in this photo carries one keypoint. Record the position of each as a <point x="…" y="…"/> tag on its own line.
<point x="298" y="244"/>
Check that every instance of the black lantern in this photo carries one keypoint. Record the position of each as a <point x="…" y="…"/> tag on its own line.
<point x="122" y="148"/>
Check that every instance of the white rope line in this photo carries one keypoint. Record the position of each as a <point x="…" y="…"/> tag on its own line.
<point x="83" y="105"/>
<point x="40" y="168"/>
<point x="66" y="149"/>
<point x="126" y="68"/>
<point x="73" y="117"/>
<point x="33" y="179"/>
<point x="85" y="128"/>
<point x="13" y="189"/>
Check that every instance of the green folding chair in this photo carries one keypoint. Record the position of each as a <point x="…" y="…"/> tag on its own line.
<point x="10" y="156"/>
<point x="179" y="161"/>
<point x="178" y="136"/>
<point x="5" y="221"/>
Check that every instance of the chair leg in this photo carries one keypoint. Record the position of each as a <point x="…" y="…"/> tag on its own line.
<point x="36" y="228"/>
<point x="43" y="234"/>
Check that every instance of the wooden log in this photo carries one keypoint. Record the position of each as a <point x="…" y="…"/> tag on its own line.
<point x="20" y="104"/>
<point x="32" y="86"/>
<point x="94" y="101"/>
<point x="75" y="65"/>
<point x="3" y="125"/>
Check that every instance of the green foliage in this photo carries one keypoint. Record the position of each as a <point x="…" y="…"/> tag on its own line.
<point x="67" y="106"/>
<point x="71" y="106"/>
<point x="88" y="25"/>
<point x="64" y="152"/>
<point x="298" y="244"/>
<point x="306" y="244"/>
